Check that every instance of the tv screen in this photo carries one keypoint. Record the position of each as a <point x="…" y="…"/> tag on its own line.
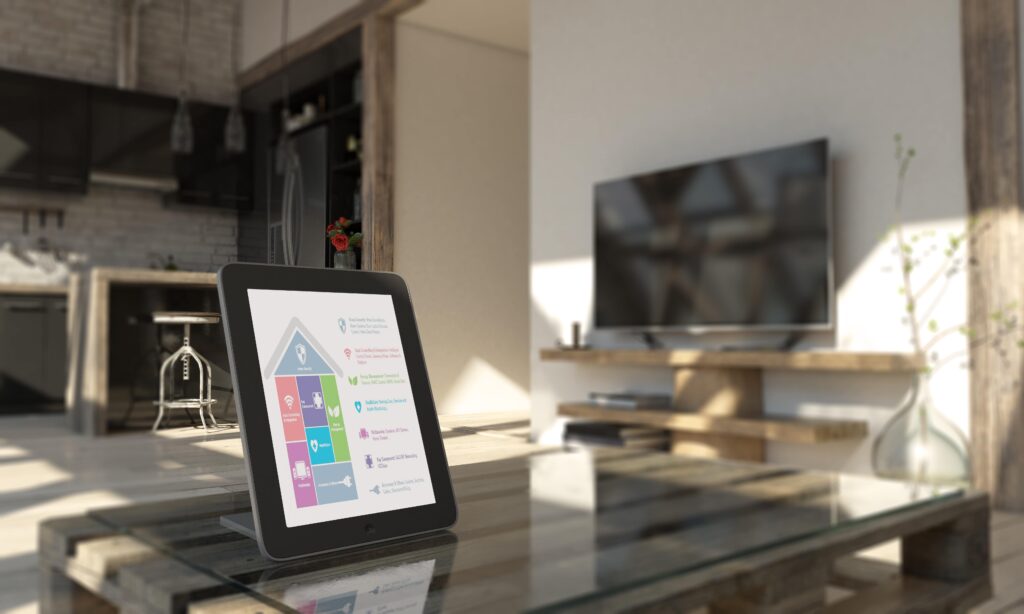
<point x="741" y="242"/>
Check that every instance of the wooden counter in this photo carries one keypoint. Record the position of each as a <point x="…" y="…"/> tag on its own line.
<point x="33" y="289"/>
<point x="87" y="397"/>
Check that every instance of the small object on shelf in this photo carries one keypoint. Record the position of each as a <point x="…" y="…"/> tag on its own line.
<point x="357" y="203"/>
<point x="357" y="86"/>
<point x="576" y="342"/>
<point x="345" y="243"/>
<point x="608" y="435"/>
<point x="354" y="146"/>
<point x="345" y="260"/>
<point x="301" y="120"/>
<point x="631" y="400"/>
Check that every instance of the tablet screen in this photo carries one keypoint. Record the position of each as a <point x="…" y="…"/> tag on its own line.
<point x="343" y="419"/>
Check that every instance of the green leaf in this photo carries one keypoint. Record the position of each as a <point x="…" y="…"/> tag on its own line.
<point x="933" y="326"/>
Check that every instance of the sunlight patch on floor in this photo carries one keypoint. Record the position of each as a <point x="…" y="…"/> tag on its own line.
<point x="19" y="527"/>
<point x="232" y="447"/>
<point x="30" y="475"/>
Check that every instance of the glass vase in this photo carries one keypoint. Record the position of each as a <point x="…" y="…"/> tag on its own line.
<point x="345" y="259"/>
<point x="920" y="445"/>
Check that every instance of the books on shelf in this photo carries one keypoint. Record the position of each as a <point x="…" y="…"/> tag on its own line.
<point x="604" y="434"/>
<point x="631" y="400"/>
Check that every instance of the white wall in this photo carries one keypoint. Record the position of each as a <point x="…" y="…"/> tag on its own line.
<point x="261" y="24"/>
<point x="461" y="214"/>
<point x="619" y="88"/>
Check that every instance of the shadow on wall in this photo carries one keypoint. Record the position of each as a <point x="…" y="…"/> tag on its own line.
<point x="479" y="379"/>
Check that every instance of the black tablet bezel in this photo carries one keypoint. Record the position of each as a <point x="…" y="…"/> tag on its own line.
<point x="276" y="539"/>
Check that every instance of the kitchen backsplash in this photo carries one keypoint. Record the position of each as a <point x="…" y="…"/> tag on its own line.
<point x="117" y="226"/>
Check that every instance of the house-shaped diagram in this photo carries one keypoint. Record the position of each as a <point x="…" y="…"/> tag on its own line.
<point x="306" y="379"/>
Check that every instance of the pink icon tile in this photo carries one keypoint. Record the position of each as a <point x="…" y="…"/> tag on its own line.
<point x="291" y="409"/>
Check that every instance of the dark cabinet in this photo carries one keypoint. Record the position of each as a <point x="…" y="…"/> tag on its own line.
<point x="56" y="134"/>
<point x="211" y="175"/>
<point x="33" y="365"/>
<point x="131" y="134"/>
<point x="44" y="132"/>
<point x="132" y="138"/>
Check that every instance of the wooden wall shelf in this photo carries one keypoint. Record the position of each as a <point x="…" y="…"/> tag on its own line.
<point x="801" y="361"/>
<point x="788" y="430"/>
<point x="718" y="396"/>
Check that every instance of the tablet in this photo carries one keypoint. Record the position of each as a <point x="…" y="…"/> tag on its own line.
<point x="339" y="428"/>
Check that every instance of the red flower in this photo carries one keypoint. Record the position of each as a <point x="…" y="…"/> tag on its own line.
<point x="340" y="242"/>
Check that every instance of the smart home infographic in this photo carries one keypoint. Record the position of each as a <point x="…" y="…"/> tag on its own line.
<point x="342" y="417"/>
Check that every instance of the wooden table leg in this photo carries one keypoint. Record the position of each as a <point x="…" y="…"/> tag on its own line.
<point x="802" y="591"/>
<point x="957" y="551"/>
<point x="59" y="594"/>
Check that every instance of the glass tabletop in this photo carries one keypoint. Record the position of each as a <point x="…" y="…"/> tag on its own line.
<point x="543" y="532"/>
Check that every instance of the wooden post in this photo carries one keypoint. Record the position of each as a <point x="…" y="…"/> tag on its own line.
<point x="993" y="164"/>
<point x="378" y="141"/>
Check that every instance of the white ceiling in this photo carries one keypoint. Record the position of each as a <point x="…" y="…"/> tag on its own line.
<point x="504" y="23"/>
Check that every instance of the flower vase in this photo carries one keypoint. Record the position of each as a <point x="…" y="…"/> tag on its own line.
<point x="345" y="259"/>
<point x="920" y="445"/>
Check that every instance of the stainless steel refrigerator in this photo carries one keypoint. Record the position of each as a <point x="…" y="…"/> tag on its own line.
<point x="297" y="190"/>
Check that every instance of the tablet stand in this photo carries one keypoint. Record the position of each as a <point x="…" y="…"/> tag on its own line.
<point x="242" y="524"/>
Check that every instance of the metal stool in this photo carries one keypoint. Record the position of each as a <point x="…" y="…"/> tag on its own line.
<point x="186" y="354"/>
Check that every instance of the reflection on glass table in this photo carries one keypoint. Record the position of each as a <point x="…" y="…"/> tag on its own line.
<point x="582" y="529"/>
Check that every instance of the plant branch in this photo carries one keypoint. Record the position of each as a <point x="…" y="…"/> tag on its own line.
<point x="905" y="264"/>
<point x="939" y="336"/>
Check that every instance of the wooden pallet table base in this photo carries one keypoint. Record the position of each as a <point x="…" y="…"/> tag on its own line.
<point x="512" y="550"/>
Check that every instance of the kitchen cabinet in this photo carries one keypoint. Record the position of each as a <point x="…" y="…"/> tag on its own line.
<point x="33" y="363"/>
<point x="44" y="132"/>
<point x="131" y="144"/>
<point x="131" y="134"/>
<point x="211" y="175"/>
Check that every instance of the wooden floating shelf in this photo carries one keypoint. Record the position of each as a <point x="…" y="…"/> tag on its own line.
<point x="874" y="362"/>
<point x="788" y="430"/>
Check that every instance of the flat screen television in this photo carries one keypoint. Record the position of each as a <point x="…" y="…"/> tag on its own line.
<point x="732" y="244"/>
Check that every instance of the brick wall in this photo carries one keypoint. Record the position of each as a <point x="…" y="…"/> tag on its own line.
<point x="75" y="39"/>
<point x="113" y="226"/>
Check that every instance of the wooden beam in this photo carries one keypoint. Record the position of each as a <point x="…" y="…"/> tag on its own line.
<point x="324" y="34"/>
<point x="991" y="74"/>
<point x="378" y="142"/>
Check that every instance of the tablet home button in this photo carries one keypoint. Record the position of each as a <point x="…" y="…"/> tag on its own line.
<point x="370" y="529"/>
